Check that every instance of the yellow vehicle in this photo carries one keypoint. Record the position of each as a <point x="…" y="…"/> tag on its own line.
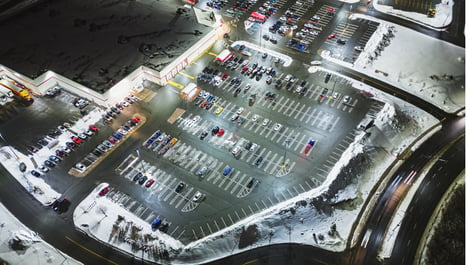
<point x="218" y="110"/>
<point x="173" y="142"/>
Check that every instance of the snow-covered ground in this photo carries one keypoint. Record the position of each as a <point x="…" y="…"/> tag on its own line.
<point x="19" y="245"/>
<point x="324" y="217"/>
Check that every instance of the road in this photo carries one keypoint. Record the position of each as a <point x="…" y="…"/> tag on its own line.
<point x="430" y="192"/>
<point x="398" y="186"/>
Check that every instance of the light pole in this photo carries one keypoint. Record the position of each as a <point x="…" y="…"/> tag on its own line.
<point x="286" y="143"/>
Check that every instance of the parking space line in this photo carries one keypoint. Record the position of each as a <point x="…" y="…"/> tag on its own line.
<point x="319" y="114"/>
<point x="295" y="109"/>
<point x="275" y="165"/>
<point x="245" y="214"/>
<point x="271" y="161"/>
<point x="296" y="190"/>
<point x="299" y="111"/>
<point x="334" y="123"/>
<point x="264" y="204"/>
<point x="323" y="170"/>
<point x="194" y="234"/>
<point x="202" y="231"/>
<point x="311" y="115"/>
<point x="305" y="113"/>
<point x="250" y="209"/>
<point x="237" y="214"/>
<point x="284" y="197"/>
<point x="300" y="143"/>
<point x="223" y="221"/>
<point x="288" y="107"/>
<point x="230" y="218"/>
<point x="209" y="228"/>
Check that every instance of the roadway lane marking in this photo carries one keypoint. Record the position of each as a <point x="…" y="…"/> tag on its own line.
<point x="90" y="251"/>
<point x="175" y="84"/>
<point x="187" y="75"/>
<point x="212" y="53"/>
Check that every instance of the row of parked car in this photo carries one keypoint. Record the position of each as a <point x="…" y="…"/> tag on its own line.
<point x="160" y="142"/>
<point x="113" y="111"/>
<point x="62" y="151"/>
<point x="107" y="144"/>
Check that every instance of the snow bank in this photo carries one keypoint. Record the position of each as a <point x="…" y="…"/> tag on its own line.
<point x="19" y="245"/>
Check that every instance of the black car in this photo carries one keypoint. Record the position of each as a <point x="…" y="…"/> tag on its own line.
<point x="180" y="187"/>
<point x="142" y="180"/>
<point x="60" y="205"/>
<point x="248" y="145"/>
<point x="259" y="160"/>
<point x="327" y="78"/>
<point x="341" y="41"/>
<point x="215" y="130"/>
<point x="35" y="173"/>
<point x="70" y="144"/>
<point x="251" y="183"/>
<point x="203" y="135"/>
<point x="137" y="176"/>
<point x="49" y="163"/>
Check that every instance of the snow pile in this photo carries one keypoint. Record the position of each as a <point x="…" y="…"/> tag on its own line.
<point x="109" y="223"/>
<point x="19" y="245"/>
<point x="37" y="187"/>
<point x="407" y="65"/>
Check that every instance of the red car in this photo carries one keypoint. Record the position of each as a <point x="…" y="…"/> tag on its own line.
<point x="76" y="139"/>
<point x="220" y="132"/>
<point x="112" y="139"/>
<point x="224" y="76"/>
<point x="203" y="104"/>
<point x="136" y="119"/>
<point x="149" y="183"/>
<point x="93" y="128"/>
<point x="104" y="191"/>
<point x="332" y="36"/>
<point x="330" y="9"/>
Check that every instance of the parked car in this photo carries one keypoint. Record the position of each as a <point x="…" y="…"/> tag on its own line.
<point x="227" y="171"/>
<point x="180" y="187"/>
<point x="202" y="171"/>
<point x="149" y="183"/>
<point x="197" y="197"/>
<point x="35" y="173"/>
<point x="104" y="191"/>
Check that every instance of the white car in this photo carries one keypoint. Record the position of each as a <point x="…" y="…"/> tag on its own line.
<point x="122" y="131"/>
<point x="80" y="167"/>
<point x="240" y="110"/>
<point x="255" y="118"/>
<point x="234" y="117"/>
<point x="88" y="132"/>
<point x="335" y="95"/>
<point x="316" y="62"/>
<point x="197" y="197"/>
<point x="277" y="127"/>
<point x="82" y="136"/>
<point x="298" y="89"/>
<point x="236" y="150"/>
<point x="43" y="169"/>
<point x="265" y="122"/>
<point x="254" y="147"/>
<point x="346" y="99"/>
<point x="124" y="103"/>
<point x="66" y="149"/>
